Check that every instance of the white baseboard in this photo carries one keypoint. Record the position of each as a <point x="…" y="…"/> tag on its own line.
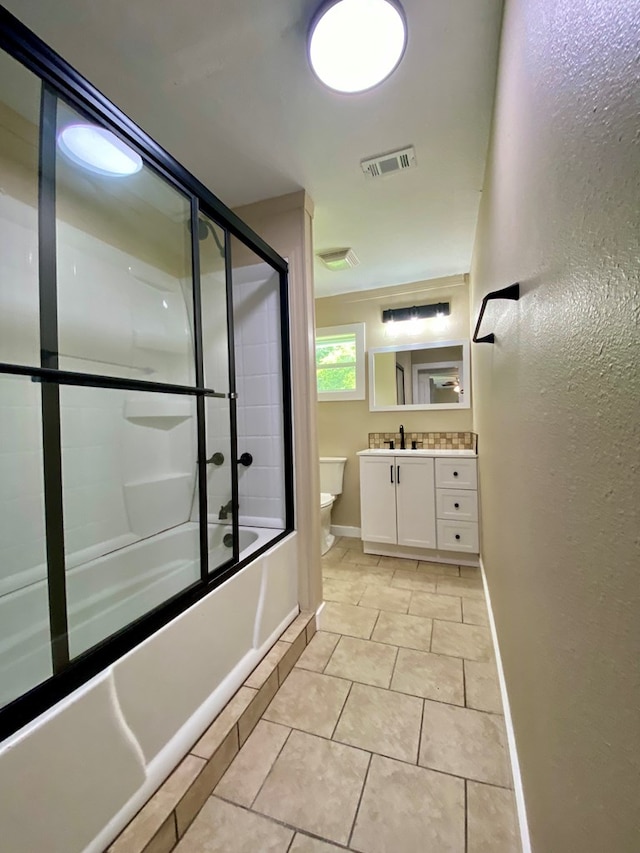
<point x="342" y="530"/>
<point x="511" y="740"/>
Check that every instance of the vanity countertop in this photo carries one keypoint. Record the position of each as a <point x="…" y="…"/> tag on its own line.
<point x="419" y="452"/>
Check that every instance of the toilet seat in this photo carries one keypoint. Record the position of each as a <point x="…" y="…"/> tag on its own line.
<point x="325" y="500"/>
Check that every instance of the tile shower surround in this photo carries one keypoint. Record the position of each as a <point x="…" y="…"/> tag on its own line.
<point x="95" y="506"/>
<point x="426" y="440"/>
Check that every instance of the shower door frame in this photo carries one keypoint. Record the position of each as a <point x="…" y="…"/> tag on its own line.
<point x="59" y="79"/>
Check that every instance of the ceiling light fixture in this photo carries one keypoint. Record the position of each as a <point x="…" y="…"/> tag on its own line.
<point x="98" y="150"/>
<point x="356" y="44"/>
<point x="416" y="312"/>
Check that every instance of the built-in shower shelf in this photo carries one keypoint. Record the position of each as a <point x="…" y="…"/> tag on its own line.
<point x="158" y="414"/>
<point x="159" y="503"/>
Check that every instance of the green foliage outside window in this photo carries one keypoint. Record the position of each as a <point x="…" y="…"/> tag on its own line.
<point x="336" y="363"/>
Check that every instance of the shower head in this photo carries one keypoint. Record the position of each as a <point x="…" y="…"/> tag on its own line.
<point x="204" y="229"/>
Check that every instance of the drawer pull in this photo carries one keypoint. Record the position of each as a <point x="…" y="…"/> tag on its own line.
<point x="457" y="506"/>
<point x="455" y="473"/>
<point x="457" y="535"/>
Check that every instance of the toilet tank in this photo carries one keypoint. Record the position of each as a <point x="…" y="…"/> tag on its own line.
<point x="331" y="474"/>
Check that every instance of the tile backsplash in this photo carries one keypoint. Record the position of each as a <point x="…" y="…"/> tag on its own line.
<point x="426" y="440"/>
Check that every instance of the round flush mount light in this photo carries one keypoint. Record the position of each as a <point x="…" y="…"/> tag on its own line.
<point x="98" y="150"/>
<point x="356" y="44"/>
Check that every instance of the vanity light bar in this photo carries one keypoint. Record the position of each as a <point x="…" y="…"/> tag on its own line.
<point x="417" y="312"/>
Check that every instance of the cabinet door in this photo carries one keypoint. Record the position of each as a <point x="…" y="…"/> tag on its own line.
<point x="378" y="499"/>
<point x="415" y="502"/>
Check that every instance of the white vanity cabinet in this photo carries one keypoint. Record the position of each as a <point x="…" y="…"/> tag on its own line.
<point x="457" y="504"/>
<point x="397" y="500"/>
<point x="420" y="500"/>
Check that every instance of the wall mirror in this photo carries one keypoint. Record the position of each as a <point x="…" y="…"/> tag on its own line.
<point x="420" y="376"/>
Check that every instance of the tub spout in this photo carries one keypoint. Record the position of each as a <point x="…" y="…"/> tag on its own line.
<point x="225" y="510"/>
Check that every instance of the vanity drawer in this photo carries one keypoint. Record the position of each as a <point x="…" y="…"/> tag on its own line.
<point x="458" y="536"/>
<point x="456" y="474"/>
<point x="457" y="504"/>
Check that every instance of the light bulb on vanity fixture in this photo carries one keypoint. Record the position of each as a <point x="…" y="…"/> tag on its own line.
<point x="438" y="310"/>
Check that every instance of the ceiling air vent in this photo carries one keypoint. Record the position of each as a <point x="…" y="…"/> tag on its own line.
<point x="387" y="164"/>
<point x="339" y="259"/>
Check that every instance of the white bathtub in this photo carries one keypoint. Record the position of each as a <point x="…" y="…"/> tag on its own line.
<point x="118" y="736"/>
<point x="105" y="594"/>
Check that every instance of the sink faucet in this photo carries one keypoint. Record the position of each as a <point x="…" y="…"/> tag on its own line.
<point x="224" y="511"/>
<point x="402" y="445"/>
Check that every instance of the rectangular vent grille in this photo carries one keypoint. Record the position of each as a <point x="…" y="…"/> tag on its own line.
<point x="389" y="163"/>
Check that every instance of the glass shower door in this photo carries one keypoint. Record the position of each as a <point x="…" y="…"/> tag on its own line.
<point x="222" y="526"/>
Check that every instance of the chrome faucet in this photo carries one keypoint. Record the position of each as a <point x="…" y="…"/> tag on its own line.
<point x="402" y="445"/>
<point x="225" y="510"/>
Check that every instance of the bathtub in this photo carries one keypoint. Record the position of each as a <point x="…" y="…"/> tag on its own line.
<point x="104" y="594"/>
<point x="132" y="723"/>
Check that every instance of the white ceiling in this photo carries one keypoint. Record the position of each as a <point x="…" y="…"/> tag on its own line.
<point x="225" y="86"/>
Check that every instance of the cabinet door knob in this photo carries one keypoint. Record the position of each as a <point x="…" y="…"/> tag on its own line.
<point x="457" y="535"/>
<point x="455" y="473"/>
<point x="457" y="506"/>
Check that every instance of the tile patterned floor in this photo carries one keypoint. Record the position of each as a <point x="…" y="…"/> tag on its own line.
<point x="387" y="736"/>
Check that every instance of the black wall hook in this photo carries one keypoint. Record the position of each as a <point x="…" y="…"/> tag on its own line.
<point x="511" y="292"/>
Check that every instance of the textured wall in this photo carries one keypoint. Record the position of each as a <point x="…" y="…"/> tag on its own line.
<point x="344" y="426"/>
<point x="557" y="404"/>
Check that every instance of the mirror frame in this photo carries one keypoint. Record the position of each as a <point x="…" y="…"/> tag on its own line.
<point x="422" y="407"/>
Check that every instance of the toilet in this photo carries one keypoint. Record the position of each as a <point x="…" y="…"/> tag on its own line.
<point x="331" y="475"/>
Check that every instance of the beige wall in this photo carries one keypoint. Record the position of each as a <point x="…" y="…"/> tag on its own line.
<point x="558" y="409"/>
<point x="343" y="427"/>
<point x="286" y="225"/>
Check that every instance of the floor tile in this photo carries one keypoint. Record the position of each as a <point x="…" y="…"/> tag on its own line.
<point x="347" y="572"/>
<point x="224" y="828"/>
<point x="355" y="556"/>
<point x="430" y="676"/>
<point x="460" y="586"/>
<point x="346" y="591"/>
<point x="316" y="655"/>
<point x="315" y="785"/>
<point x="306" y="844"/>
<point x="309" y="701"/>
<point x="351" y="543"/>
<point x="491" y="820"/>
<point x="363" y="660"/>
<point x="442" y="569"/>
<point x="474" y="611"/>
<point x="250" y="767"/>
<point x="414" y="581"/>
<point x="372" y="575"/>
<point x="398" y="629"/>
<point x="398" y="563"/>
<point x="482" y="686"/>
<point x="436" y="606"/>
<point x="334" y="554"/>
<point x="386" y="598"/>
<point x="464" y="743"/>
<point x="460" y="640"/>
<point x="381" y="721"/>
<point x="348" y="619"/>
<point x="471" y="572"/>
<point x="409" y="810"/>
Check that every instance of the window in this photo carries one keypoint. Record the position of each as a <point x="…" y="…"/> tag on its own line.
<point x="340" y="362"/>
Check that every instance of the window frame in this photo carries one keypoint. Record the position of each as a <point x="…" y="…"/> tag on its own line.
<point x="358" y="330"/>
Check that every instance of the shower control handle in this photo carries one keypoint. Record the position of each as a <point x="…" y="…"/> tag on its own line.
<point x="246" y="459"/>
<point x="216" y="459"/>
